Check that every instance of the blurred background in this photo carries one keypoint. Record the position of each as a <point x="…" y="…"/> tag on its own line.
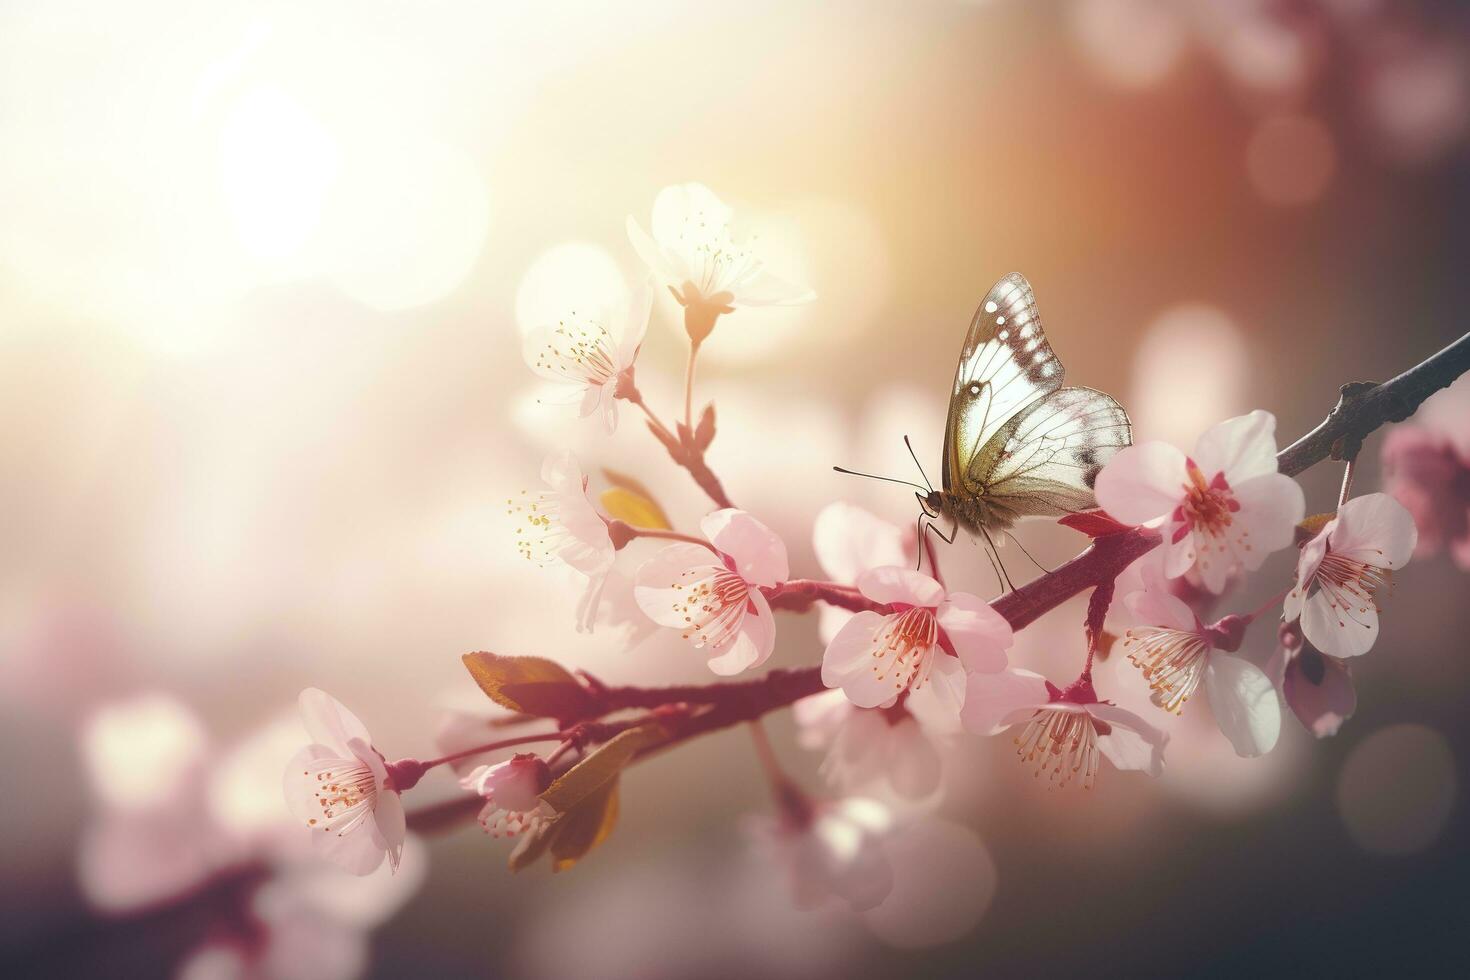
<point x="264" y="271"/>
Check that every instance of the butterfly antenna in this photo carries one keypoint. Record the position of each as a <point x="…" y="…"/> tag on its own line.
<point x="1017" y="541"/>
<point x="1005" y="580"/>
<point x="874" y="476"/>
<point x="917" y="463"/>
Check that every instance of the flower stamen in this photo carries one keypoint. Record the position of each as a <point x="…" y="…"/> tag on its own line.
<point x="1173" y="662"/>
<point x="1060" y="742"/>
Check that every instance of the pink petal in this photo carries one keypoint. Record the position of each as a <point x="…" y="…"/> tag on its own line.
<point x="752" y="645"/>
<point x="1271" y="506"/>
<point x="980" y="635"/>
<point x="895" y="584"/>
<point x="1142" y="483"/>
<point x="849" y="540"/>
<point x="942" y="694"/>
<point x="759" y="555"/>
<point x="1339" y="632"/>
<point x="329" y="723"/>
<point x="654" y="584"/>
<point x="358" y="851"/>
<point x="1242" y="448"/>
<point x="914" y="766"/>
<point x="1320" y="692"/>
<point x="1159" y="608"/>
<point x="1375" y="529"/>
<point x="560" y="472"/>
<point x="392" y="825"/>
<point x="994" y="702"/>
<point x="849" y="663"/>
<point x="1132" y="743"/>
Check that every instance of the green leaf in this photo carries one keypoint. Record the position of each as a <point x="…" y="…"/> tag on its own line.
<point x="600" y="767"/>
<point x="529" y="685"/>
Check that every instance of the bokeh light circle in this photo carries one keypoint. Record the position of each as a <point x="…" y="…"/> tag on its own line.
<point x="567" y="277"/>
<point x="1396" y="789"/>
<point x="943" y="882"/>
<point x="1190" y="371"/>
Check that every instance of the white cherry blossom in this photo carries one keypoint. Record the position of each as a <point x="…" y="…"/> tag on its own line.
<point x="1341" y="570"/>
<point x="712" y="596"/>
<point x="560" y="524"/>
<point x="1222" y="508"/>
<point x="338" y="788"/>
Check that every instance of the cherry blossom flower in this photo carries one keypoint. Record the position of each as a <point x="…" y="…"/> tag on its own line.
<point x="692" y="250"/>
<point x="848" y="541"/>
<point x="1341" y="569"/>
<point x="713" y="598"/>
<point x="1066" y="732"/>
<point x="592" y="355"/>
<point x="832" y="849"/>
<point x="1317" y="688"/>
<point x="867" y="747"/>
<point x="1426" y="466"/>
<point x="1222" y="508"/>
<point x="1178" y="655"/>
<point x="512" y="790"/>
<point x="338" y="786"/>
<point x="560" y="524"/>
<point x="924" y="645"/>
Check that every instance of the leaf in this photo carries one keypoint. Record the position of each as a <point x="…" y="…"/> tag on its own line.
<point x="600" y="767"/>
<point x="585" y="827"/>
<point x="529" y="685"/>
<point x="634" y="508"/>
<point x="1093" y="523"/>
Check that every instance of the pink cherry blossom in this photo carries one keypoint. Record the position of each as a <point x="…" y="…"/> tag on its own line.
<point x="848" y="541"/>
<point x="868" y="747"/>
<point x="338" y="787"/>
<point x="692" y="250"/>
<point x="1317" y="688"/>
<point x="924" y="644"/>
<point x="1340" y="571"/>
<point x="1426" y="466"/>
<point x="512" y="790"/>
<point x="832" y="849"/>
<point x="1223" y="508"/>
<point x="560" y="524"/>
<point x="1178" y="655"/>
<point x="713" y="597"/>
<point x="1065" y="732"/>
<point x="592" y="355"/>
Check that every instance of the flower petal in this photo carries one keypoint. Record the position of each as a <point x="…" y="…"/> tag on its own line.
<point x="849" y="662"/>
<point x="994" y="702"/>
<point x="758" y="553"/>
<point x="1155" y="607"/>
<point x="1244" y="703"/>
<point x="358" y="851"/>
<point x="662" y="264"/>
<point x="633" y="326"/>
<point x="894" y="584"/>
<point x="661" y="583"/>
<point x="980" y="635"/>
<point x="1142" y="483"/>
<point x="329" y="723"/>
<point x="1339" y="631"/>
<point x="1374" y="529"/>
<point x="1271" y="506"/>
<point x="914" y="767"/>
<point x="765" y="289"/>
<point x="752" y="645"/>
<point x="1242" y="448"/>
<point x="1131" y="742"/>
<point x="942" y="695"/>
<point x="684" y="215"/>
<point x="849" y="540"/>
<point x="1319" y="691"/>
<point x="392" y="824"/>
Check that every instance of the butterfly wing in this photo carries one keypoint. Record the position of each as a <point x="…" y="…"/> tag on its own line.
<point x="1043" y="462"/>
<point x="1005" y="365"/>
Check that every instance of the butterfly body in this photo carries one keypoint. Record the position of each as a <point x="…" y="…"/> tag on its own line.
<point x="1018" y="444"/>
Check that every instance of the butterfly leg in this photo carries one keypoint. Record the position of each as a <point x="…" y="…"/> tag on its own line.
<point x="993" y="554"/>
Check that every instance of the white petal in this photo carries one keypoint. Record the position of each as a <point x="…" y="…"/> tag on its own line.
<point x="1375" y="529"/>
<point x="329" y="723"/>
<point x="758" y="552"/>
<point x="996" y="701"/>
<point x="849" y="662"/>
<point x="980" y="635"/>
<point x="659" y="261"/>
<point x="634" y="323"/>
<point x="1339" y="632"/>
<point x="1159" y="608"/>
<point x="1271" y="506"/>
<point x="942" y="695"/>
<point x="654" y="583"/>
<point x="1245" y="704"/>
<point x="1242" y="448"/>
<point x="766" y="289"/>
<point x="849" y="540"/>
<point x="1131" y="742"/>
<point x="1142" y="483"/>
<point x="300" y="784"/>
<point x="752" y="645"/>
<point x="687" y="214"/>
<point x="392" y="824"/>
<point x="359" y="850"/>
<point x="895" y="584"/>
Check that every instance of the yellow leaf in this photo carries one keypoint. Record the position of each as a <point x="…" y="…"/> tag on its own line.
<point x="530" y="685"/>
<point x="600" y="767"/>
<point x="585" y="827"/>
<point x="634" y="508"/>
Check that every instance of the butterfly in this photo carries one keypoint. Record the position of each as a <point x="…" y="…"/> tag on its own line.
<point x="1017" y="444"/>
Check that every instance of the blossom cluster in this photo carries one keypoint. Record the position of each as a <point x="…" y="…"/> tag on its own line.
<point x="907" y="664"/>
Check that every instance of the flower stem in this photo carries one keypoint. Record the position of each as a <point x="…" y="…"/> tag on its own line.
<point x="492" y="746"/>
<point x="1250" y="617"/>
<point x="649" y="532"/>
<point x="1347" y="482"/>
<point x="689" y="386"/>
